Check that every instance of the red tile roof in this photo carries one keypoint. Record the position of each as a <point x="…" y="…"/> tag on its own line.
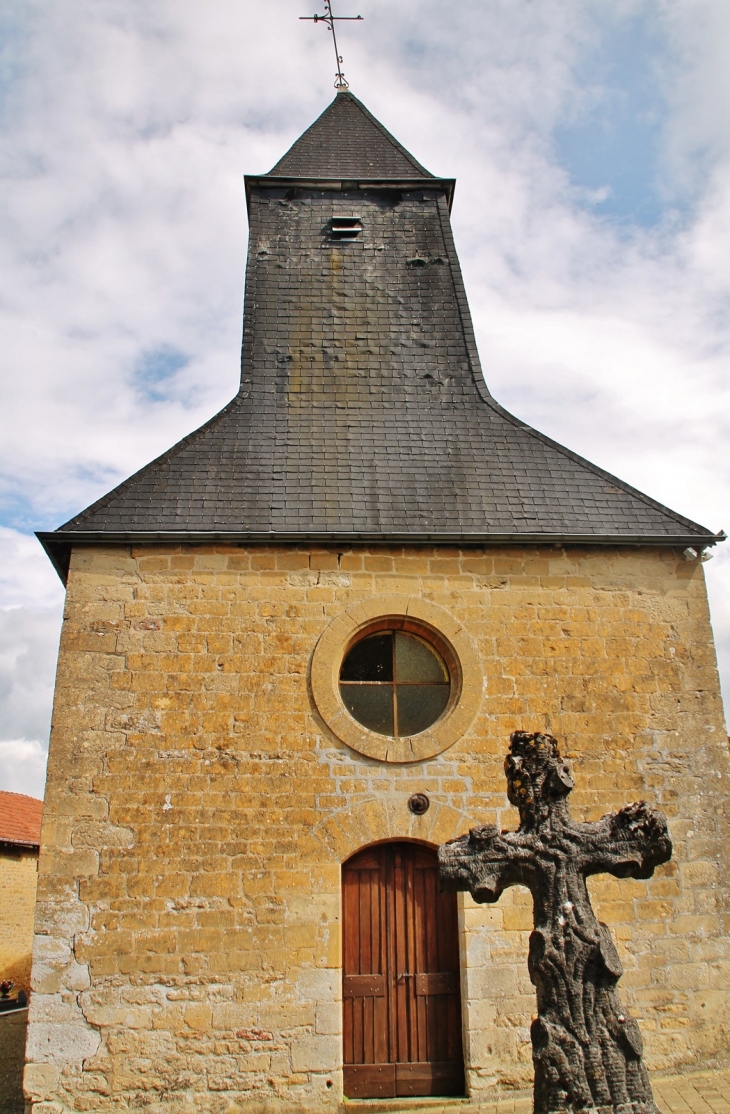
<point x="20" y="819"/>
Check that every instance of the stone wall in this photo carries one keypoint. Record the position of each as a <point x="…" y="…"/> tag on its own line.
<point x="198" y="809"/>
<point x="18" y="876"/>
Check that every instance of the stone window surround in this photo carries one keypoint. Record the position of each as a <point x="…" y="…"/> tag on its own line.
<point x="420" y="617"/>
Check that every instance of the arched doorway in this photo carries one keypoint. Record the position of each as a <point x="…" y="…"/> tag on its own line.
<point x="401" y="999"/>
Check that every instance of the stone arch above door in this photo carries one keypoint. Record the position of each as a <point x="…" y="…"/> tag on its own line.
<point x="347" y="830"/>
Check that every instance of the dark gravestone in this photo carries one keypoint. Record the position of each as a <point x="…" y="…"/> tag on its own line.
<point x="586" y="1049"/>
<point x="12" y="1055"/>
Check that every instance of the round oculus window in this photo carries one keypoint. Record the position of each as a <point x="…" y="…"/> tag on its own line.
<point x="394" y="683"/>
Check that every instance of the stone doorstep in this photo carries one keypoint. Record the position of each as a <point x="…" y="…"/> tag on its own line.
<point x="520" y="1103"/>
<point x="408" y="1105"/>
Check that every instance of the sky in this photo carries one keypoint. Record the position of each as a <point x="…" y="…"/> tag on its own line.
<point x="590" y="140"/>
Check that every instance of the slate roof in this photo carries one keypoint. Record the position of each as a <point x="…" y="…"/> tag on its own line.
<point x="362" y="412"/>
<point x="346" y="141"/>
<point x="20" y="819"/>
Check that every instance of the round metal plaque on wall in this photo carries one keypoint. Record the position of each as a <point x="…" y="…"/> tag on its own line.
<point x="419" y="804"/>
<point x="396" y="678"/>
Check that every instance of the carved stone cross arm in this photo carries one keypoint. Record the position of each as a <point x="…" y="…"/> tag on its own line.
<point x="488" y="861"/>
<point x="630" y="843"/>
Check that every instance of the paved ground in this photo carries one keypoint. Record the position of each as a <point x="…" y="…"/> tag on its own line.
<point x="706" y="1093"/>
<point x="700" y="1093"/>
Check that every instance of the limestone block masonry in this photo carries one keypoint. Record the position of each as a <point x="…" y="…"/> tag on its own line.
<point x="18" y="874"/>
<point x="187" y="949"/>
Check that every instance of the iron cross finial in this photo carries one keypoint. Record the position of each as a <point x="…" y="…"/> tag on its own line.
<point x="329" y="20"/>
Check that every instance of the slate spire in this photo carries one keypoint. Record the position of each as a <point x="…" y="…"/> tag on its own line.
<point x="346" y="141"/>
<point x="362" y="413"/>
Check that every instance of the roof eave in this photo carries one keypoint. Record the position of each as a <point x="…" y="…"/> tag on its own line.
<point x="274" y="181"/>
<point x="26" y="844"/>
<point x="58" y="544"/>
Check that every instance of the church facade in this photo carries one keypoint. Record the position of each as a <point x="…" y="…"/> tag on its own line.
<point x="293" y="651"/>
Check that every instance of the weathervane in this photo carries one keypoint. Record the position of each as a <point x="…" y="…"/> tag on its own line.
<point x="329" y="20"/>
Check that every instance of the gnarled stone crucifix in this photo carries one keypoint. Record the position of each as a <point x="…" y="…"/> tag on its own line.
<point x="586" y="1049"/>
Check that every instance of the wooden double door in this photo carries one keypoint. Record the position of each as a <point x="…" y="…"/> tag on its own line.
<point x="401" y="999"/>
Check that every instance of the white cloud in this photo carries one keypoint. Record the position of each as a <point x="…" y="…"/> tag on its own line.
<point x="31" y="604"/>
<point x="23" y="767"/>
<point x="26" y="576"/>
<point x="28" y="648"/>
<point x="125" y="131"/>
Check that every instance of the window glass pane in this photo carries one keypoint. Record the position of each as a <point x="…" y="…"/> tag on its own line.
<point x="417" y="661"/>
<point x="419" y="706"/>
<point x="370" y="705"/>
<point x="370" y="660"/>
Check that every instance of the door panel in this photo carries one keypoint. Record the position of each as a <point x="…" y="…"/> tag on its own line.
<point x="401" y="1001"/>
<point x="365" y="1014"/>
<point x="370" y="1081"/>
<point x="429" y="1079"/>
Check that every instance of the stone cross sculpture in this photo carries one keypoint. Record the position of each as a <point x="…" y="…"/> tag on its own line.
<point x="585" y="1048"/>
